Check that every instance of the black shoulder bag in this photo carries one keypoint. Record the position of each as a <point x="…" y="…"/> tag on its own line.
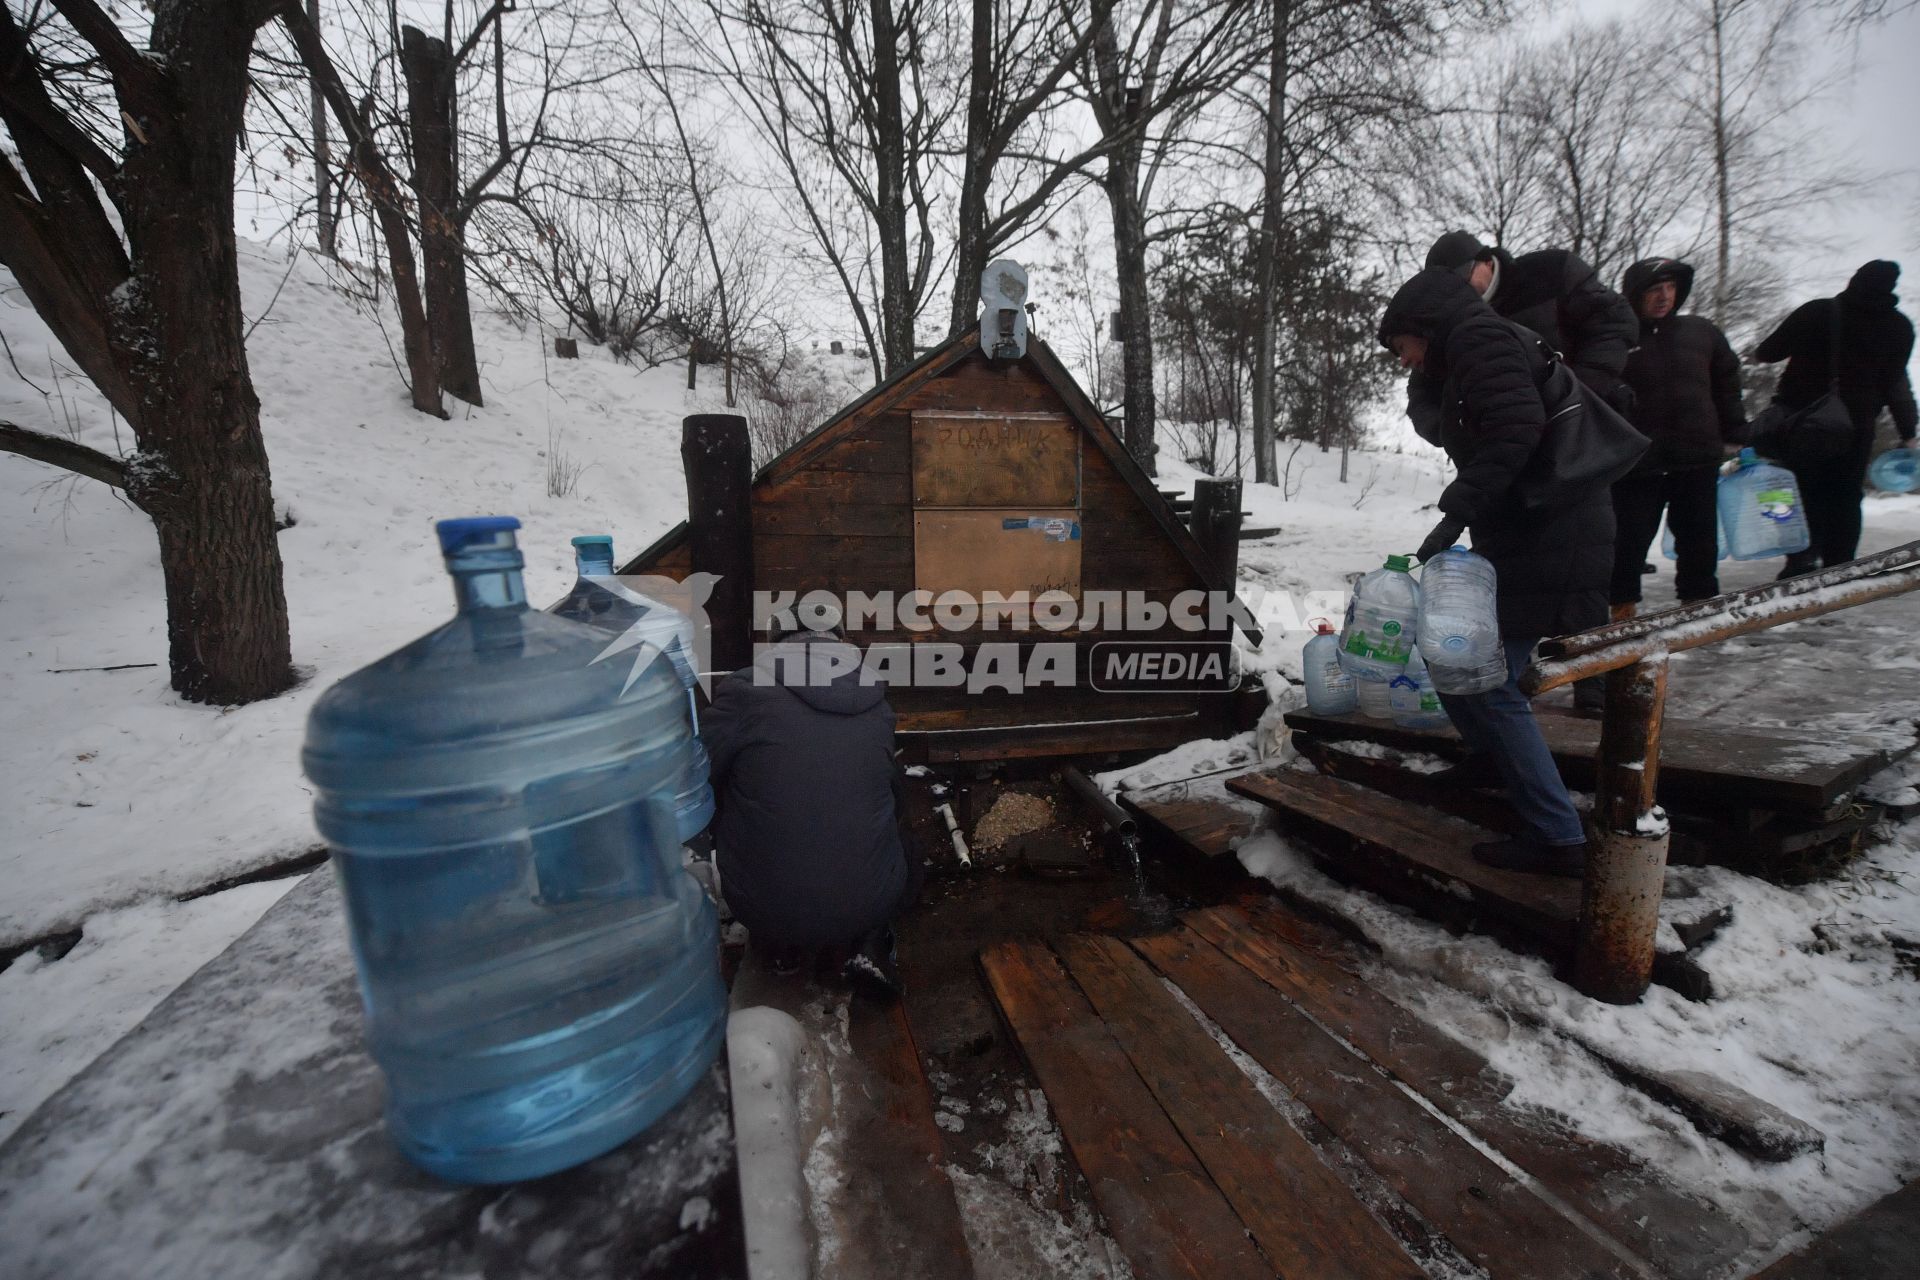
<point x="1585" y="447"/>
<point x="1819" y="433"/>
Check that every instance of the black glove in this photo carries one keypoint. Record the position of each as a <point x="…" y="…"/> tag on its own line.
<point x="1444" y="535"/>
<point x="1624" y="400"/>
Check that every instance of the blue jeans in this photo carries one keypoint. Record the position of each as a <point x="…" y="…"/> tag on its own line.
<point x="1500" y="724"/>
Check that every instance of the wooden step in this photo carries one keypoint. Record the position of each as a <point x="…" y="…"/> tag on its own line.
<point x="1183" y="1154"/>
<point x="1204" y="826"/>
<point x="1702" y="764"/>
<point x="1881" y="1242"/>
<point x="1317" y="972"/>
<point x="1409" y="853"/>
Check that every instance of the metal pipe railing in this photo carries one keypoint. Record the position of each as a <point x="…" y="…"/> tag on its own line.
<point x="1627" y="861"/>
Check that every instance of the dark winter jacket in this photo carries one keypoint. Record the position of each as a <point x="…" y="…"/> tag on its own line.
<point x="1553" y="563"/>
<point x="803" y="774"/>
<point x="1875" y="342"/>
<point x="1684" y="375"/>
<point x="1556" y="295"/>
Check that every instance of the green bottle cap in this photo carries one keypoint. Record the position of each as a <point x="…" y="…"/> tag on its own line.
<point x="1400" y="563"/>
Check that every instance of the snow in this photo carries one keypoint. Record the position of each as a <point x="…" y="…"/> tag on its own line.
<point x="61" y="1014"/>
<point x="1812" y="1013"/>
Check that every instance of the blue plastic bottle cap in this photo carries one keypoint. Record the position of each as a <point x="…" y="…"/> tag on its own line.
<point x="593" y="539"/>
<point x="455" y="534"/>
<point x="1458" y="546"/>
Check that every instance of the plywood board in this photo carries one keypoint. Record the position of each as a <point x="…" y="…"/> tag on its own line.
<point x="1028" y="549"/>
<point x="995" y="460"/>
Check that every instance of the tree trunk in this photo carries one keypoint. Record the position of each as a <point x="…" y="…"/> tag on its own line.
<point x="430" y="118"/>
<point x="324" y="230"/>
<point x="970" y="252"/>
<point x="890" y="151"/>
<point x="1136" y="302"/>
<point x="1265" y="335"/>
<point x="179" y="334"/>
<point x="1723" y="199"/>
<point x="383" y="191"/>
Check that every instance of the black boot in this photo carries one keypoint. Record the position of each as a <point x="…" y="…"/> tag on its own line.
<point x="874" y="966"/>
<point x="1525" y="853"/>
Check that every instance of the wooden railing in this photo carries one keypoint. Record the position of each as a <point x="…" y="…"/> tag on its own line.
<point x="1627" y="862"/>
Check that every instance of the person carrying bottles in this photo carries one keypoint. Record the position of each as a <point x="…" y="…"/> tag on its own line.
<point x="808" y="798"/>
<point x="1857" y="343"/>
<point x="1552" y="561"/>
<point x="1555" y="294"/>
<point x="1686" y="396"/>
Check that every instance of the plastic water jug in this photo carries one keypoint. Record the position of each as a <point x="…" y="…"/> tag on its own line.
<point x="600" y="600"/>
<point x="1414" y="700"/>
<point x="1760" y="510"/>
<point x="1669" y="548"/>
<point x="1896" y="471"/>
<point x="1375" y="699"/>
<point x="540" y="976"/>
<point x="1459" y="623"/>
<point x="1379" y="631"/>
<point x="1330" y="690"/>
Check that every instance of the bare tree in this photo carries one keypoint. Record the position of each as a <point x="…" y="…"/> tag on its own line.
<point x="1016" y="160"/>
<point x="847" y="101"/>
<point x="1151" y="71"/>
<point x="1744" y="80"/>
<point x="124" y="243"/>
<point x="389" y="204"/>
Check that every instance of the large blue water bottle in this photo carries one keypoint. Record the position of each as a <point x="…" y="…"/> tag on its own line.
<point x="540" y="975"/>
<point x="1760" y="510"/>
<point x="1459" y="623"/>
<point x="651" y="628"/>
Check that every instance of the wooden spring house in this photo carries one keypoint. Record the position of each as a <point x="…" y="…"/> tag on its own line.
<point x="962" y="473"/>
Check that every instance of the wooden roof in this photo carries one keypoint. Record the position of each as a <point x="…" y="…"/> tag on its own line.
<point x="942" y="358"/>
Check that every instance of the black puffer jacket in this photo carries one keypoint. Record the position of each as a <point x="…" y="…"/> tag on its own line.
<point x="1553" y="563"/>
<point x="804" y="776"/>
<point x="1559" y="297"/>
<point x="1684" y="375"/>
<point x="1875" y="342"/>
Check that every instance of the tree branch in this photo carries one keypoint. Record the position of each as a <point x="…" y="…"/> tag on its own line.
<point x="134" y="74"/>
<point x="66" y="454"/>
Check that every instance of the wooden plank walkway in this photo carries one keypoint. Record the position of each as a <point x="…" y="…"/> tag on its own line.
<point x="1197" y="1173"/>
<point x="1701" y="763"/>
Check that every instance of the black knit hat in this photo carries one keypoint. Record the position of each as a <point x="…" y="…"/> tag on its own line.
<point x="1457" y="249"/>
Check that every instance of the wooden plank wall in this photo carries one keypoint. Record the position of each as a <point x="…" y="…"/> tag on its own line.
<point x="843" y="522"/>
<point x="839" y="518"/>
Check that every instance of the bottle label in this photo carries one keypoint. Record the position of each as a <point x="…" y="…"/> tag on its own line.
<point x="1775" y="504"/>
<point x="1389" y="648"/>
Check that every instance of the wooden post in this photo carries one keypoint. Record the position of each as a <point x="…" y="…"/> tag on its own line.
<point x="719" y="463"/>
<point x="1627" y="861"/>
<point x="1216" y="527"/>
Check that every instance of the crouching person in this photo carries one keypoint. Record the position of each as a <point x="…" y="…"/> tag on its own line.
<point x="807" y="799"/>
<point x="1552" y="560"/>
